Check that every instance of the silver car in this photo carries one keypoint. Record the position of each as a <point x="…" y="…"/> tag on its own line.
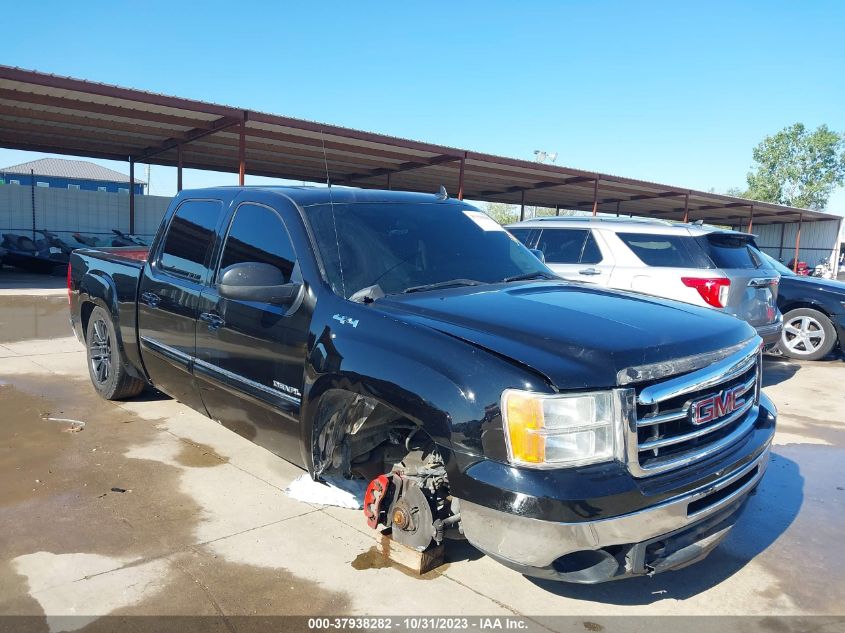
<point x="698" y="264"/>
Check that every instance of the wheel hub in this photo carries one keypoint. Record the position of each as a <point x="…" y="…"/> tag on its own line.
<point x="803" y="335"/>
<point x="100" y="352"/>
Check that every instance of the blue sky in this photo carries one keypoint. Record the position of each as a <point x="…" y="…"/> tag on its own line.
<point x="677" y="92"/>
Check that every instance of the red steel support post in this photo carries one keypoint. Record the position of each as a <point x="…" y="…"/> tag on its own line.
<point x="461" y="181"/>
<point x="751" y="220"/>
<point x="595" y="196"/>
<point x="242" y="155"/>
<point x="686" y="208"/>
<point x="178" y="168"/>
<point x="32" y="199"/>
<point x="797" y="243"/>
<point x="131" y="195"/>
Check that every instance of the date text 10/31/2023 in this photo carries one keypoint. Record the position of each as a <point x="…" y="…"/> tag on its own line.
<point x="429" y="623"/>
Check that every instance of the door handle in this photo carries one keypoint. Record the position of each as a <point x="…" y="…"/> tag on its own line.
<point x="215" y="322"/>
<point x="150" y="298"/>
<point x="589" y="271"/>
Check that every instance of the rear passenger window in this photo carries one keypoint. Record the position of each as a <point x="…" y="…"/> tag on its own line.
<point x="257" y="234"/>
<point x="730" y="251"/>
<point x="523" y="235"/>
<point x="562" y="246"/>
<point x="667" y="251"/>
<point x="189" y="238"/>
<point x="591" y="253"/>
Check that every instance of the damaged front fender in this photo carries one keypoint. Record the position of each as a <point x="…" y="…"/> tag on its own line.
<point x="339" y="414"/>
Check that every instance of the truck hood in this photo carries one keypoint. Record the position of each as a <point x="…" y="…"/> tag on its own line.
<point x="575" y="335"/>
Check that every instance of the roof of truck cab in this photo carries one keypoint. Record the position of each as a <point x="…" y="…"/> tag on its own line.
<point x="309" y="196"/>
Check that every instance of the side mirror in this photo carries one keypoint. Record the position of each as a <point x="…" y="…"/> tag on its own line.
<point x="538" y="254"/>
<point x="255" y="281"/>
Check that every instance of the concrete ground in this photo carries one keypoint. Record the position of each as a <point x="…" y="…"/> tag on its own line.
<point x="146" y="507"/>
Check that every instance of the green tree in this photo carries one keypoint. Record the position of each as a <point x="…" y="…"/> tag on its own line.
<point x="797" y="167"/>
<point x="505" y="213"/>
<point x="502" y="212"/>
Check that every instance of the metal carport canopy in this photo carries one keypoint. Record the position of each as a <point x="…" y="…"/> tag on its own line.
<point x="50" y="113"/>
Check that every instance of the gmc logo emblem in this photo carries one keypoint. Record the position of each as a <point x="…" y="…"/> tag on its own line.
<point x="717" y="406"/>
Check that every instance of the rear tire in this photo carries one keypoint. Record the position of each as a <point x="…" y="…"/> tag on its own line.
<point x="106" y="365"/>
<point x="807" y="334"/>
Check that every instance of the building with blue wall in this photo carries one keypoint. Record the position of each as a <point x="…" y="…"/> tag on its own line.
<point x="61" y="173"/>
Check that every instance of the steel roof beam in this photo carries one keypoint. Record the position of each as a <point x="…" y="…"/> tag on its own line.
<point x="112" y="92"/>
<point x="25" y="130"/>
<point x="93" y="125"/>
<point x="539" y="185"/>
<point x="74" y="105"/>
<point x="730" y="205"/>
<point x="381" y="171"/>
<point x="665" y="194"/>
<point x="223" y="123"/>
<point x="49" y="147"/>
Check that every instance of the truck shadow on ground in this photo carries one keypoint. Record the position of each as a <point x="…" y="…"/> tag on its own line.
<point x="150" y="394"/>
<point x="460" y="550"/>
<point x="768" y="514"/>
<point x="777" y="369"/>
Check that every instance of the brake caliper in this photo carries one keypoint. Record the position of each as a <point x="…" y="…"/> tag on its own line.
<point x="376" y="492"/>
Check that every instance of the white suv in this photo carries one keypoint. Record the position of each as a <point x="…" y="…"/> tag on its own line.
<point x="697" y="264"/>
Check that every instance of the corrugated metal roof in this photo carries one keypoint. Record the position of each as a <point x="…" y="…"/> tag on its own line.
<point x="62" y="115"/>
<point x="71" y="169"/>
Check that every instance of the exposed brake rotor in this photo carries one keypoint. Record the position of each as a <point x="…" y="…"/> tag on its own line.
<point x="415" y="527"/>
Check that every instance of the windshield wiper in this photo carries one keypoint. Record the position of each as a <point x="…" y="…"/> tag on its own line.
<point x="537" y="274"/>
<point x="443" y="284"/>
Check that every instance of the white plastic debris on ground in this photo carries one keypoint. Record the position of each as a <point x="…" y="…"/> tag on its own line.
<point x="343" y="493"/>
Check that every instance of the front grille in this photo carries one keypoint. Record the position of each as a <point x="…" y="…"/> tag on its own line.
<point x="690" y="417"/>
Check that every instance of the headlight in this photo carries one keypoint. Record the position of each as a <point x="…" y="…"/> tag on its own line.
<point x="557" y="431"/>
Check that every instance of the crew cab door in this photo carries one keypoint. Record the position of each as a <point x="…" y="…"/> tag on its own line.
<point x="575" y="254"/>
<point x="169" y="293"/>
<point x="250" y="356"/>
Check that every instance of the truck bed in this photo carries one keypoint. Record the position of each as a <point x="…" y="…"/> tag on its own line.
<point x="133" y="255"/>
<point x="109" y="277"/>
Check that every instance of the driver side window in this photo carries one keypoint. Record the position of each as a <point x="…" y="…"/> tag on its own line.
<point x="257" y="234"/>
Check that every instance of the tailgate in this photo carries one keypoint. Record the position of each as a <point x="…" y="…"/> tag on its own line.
<point x="753" y="295"/>
<point x="754" y="285"/>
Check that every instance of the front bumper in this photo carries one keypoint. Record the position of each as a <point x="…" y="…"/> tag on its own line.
<point x="669" y="533"/>
<point x="839" y="325"/>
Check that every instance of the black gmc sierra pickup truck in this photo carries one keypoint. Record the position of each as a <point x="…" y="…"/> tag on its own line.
<point x="568" y="431"/>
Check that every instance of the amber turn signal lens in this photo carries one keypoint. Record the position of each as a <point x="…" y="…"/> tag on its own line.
<point x="524" y="421"/>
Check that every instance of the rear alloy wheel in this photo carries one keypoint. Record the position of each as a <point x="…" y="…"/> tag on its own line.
<point x="807" y="334"/>
<point x="105" y="361"/>
<point x="100" y="352"/>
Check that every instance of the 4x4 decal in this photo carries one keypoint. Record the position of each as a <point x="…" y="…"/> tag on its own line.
<point x="344" y="320"/>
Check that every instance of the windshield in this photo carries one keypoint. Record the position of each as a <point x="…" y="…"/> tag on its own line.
<point x="400" y="246"/>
